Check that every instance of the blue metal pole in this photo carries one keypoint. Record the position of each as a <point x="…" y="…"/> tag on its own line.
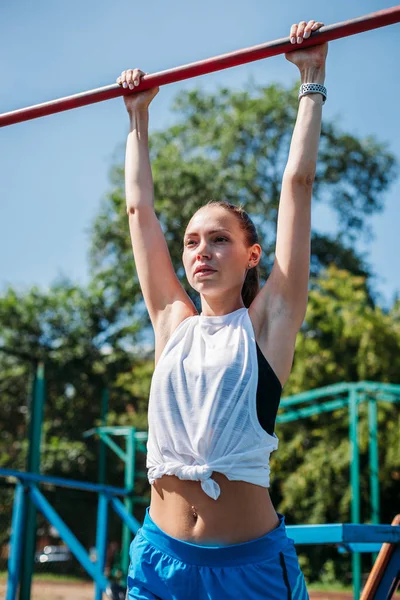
<point x="62" y="482"/>
<point x="133" y="524"/>
<point x="66" y="534"/>
<point x="16" y="541"/>
<point x="355" y="485"/>
<point x="33" y="466"/>
<point x="101" y="541"/>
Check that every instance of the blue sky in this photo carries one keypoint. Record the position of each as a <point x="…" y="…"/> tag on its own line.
<point x="55" y="170"/>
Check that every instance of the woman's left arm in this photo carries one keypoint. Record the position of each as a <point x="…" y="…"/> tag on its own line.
<point x="287" y="285"/>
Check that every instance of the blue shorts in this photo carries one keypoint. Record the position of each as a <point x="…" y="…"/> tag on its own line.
<point x="163" y="567"/>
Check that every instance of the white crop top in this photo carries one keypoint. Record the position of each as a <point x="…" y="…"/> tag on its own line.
<point x="202" y="407"/>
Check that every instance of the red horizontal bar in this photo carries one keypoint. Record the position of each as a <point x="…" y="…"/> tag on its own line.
<point x="381" y="18"/>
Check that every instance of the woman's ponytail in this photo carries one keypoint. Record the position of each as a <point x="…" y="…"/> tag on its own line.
<point x="251" y="286"/>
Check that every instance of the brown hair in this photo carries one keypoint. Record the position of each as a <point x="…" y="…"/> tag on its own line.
<point x="251" y="285"/>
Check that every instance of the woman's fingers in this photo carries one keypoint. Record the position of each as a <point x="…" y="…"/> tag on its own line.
<point x="303" y="30"/>
<point x="308" y="29"/>
<point x="293" y="33"/>
<point x="130" y="78"/>
<point x="300" y="31"/>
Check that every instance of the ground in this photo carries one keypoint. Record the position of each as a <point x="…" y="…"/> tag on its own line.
<point x="58" y="590"/>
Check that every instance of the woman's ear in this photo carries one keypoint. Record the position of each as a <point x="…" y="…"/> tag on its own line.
<point x="255" y="254"/>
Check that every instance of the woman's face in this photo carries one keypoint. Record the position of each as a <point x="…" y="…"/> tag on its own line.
<point x="216" y="255"/>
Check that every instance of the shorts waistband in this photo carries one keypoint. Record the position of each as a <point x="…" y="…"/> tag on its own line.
<point x="257" y="550"/>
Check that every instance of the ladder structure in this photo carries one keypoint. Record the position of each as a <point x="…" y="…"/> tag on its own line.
<point x="384" y="579"/>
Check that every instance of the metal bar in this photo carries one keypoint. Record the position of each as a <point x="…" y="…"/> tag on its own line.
<point x="33" y="466"/>
<point x="113" y="446"/>
<point x="130" y="485"/>
<point x="373" y="534"/>
<point x="364" y="548"/>
<point x="391" y="399"/>
<point x="210" y="65"/>
<point x="343" y="388"/>
<point x="62" y="482"/>
<point x="102" y="446"/>
<point x="391" y="388"/>
<point x="373" y="459"/>
<point x="133" y="524"/>
<point x="343" y="533"/>
<point x="312" y="395"/>
<point x="308" y="411"/>
<point x="354" y="485"/>
<point x="66" y="534"/>
<point x="101" y="542"/>
<point x="16" y="542"/>
<point x="117" y="430"/>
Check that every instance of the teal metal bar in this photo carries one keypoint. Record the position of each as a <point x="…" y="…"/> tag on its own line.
<point x="373" y="459"/>
<point x="102" y="445"/>
<point x="130" y="485"/>
<point x="355" y="485"/>
<point x="33" y="465"/>
<point x="101" y="542"/>
<point x="111" y="444"/>
<point x="16" y="541"/>
<point x="308" y="411"/>
<point x="340" y="388"/>
<point x="117" y="430"/>
<point x="373" y="463"/>
<point x="392" y="399"/>
<point x="311" y="395"/>
<point x="392" y="388"/>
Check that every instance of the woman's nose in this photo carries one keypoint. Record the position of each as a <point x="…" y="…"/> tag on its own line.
<point x="202" y="250"/>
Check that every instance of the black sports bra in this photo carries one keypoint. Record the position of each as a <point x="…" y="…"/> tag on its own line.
<point x="269" y="390"/>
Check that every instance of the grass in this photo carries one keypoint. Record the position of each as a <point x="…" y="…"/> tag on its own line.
<point x="53" y="577"/>
<point x="316" y="587"/>
<point x="329" y="587"/>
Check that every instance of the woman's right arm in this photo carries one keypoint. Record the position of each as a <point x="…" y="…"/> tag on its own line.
<point x="164" y="296"/>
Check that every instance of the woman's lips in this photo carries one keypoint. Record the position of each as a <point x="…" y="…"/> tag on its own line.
<point x="205" y="272"/>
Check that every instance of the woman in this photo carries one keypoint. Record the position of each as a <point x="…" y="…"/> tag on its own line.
<point x="211" y="530"/>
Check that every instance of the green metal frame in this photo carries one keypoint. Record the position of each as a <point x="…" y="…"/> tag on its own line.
<point x="350" y="395"/>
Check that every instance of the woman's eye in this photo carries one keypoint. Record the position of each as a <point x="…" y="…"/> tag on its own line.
<point x="220" y="238"/>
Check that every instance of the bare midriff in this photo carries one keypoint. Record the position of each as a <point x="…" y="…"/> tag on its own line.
<point x="242" y="512"/>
